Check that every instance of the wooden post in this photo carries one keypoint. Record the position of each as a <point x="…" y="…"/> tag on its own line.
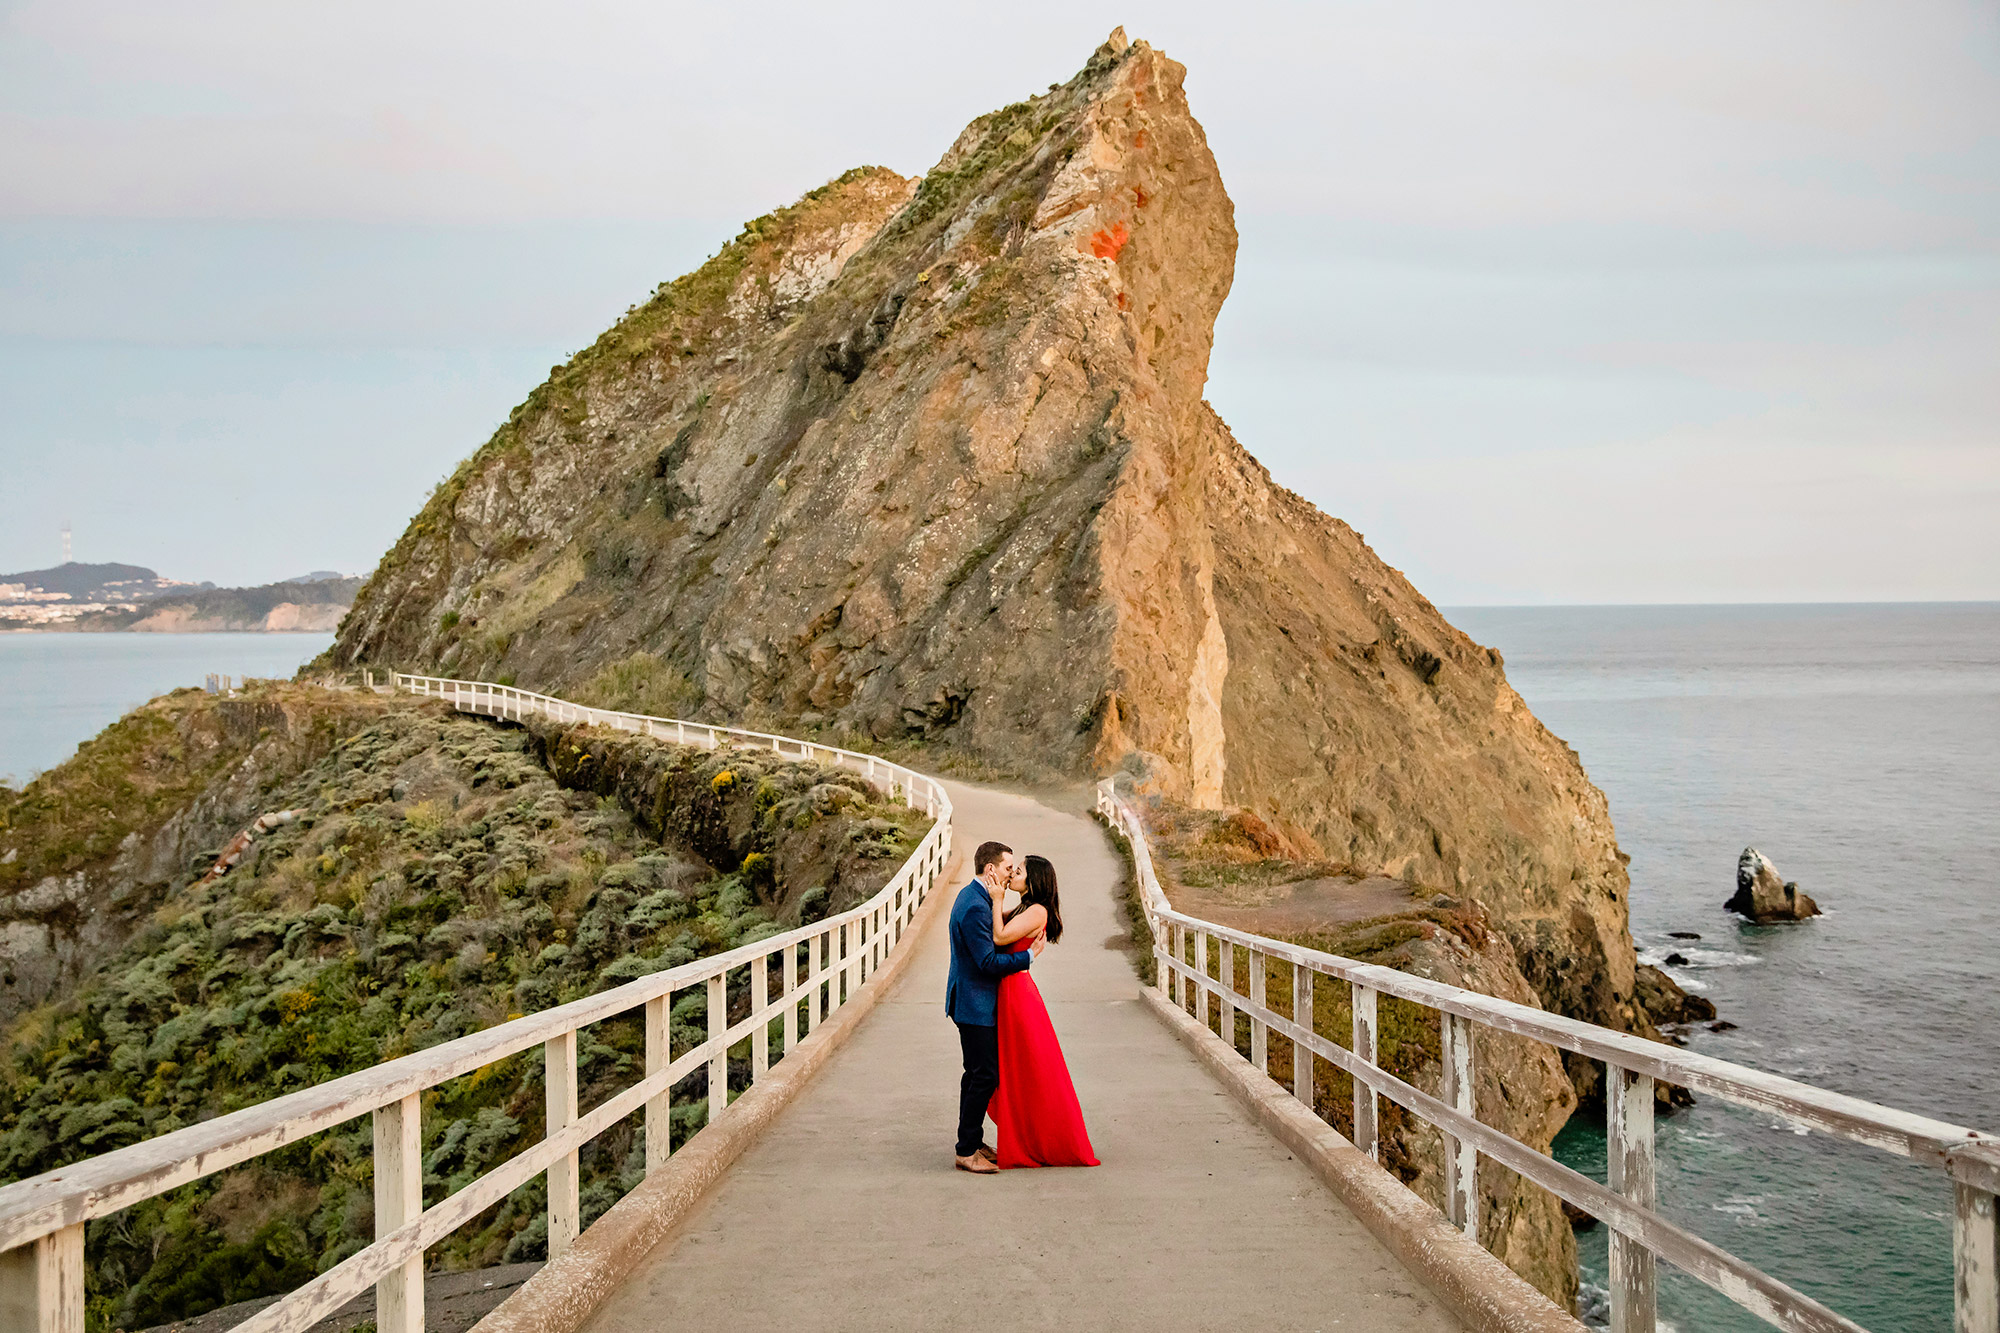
<point x="790" y="980"/>
<point x="1975" y="1261"/>
<point x="559" y="1079"/>
<point x="1629" y="1171"/>
<point x="659" y="1108"/>
<point x="1365" y="1135"/>
<point x="1303" y="1014"/>
<point x="718" y="1054"/>
<point x="1226" y="973"/>
<point x="41" y="1284"/>
<point x="1200" y="996"/>
<point x="1461" y="1160"/>
<point x="821" y="951"/>
<point x="760" y="1008"/>
<point x="399" y="1198"/>
<point x="1260" y="1036"/>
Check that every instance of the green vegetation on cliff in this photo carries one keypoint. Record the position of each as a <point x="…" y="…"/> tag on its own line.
<point x="447" y="874"/>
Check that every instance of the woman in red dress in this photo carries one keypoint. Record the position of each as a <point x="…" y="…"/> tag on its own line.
<point x="1035" y="1109"/>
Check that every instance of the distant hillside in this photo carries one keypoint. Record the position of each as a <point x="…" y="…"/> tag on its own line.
<point x="78" y="582"/>
<point x="131" y="597"/>
<point x="317" y="606"/>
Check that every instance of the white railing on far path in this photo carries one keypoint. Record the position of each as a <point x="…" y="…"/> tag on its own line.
<point x="1197" y="971"/>
<point x="817" y="968"/>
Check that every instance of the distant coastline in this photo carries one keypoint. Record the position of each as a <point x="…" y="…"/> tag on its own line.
<point x="77" y="598"/>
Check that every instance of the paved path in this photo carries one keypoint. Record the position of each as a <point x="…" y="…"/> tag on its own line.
<point x="847" y="1214"/>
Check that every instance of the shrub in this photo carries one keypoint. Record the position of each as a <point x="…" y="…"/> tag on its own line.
<point x="641" y="683"/>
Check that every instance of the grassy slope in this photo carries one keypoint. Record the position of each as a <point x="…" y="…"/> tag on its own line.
<point x="443" y="881"/>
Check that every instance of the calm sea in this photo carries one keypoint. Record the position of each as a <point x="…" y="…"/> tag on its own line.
<point x="1859" y="748"/>
<point x="59" y="690"/>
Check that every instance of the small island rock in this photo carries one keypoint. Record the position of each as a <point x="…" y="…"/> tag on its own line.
<point x="1763" y="895"/>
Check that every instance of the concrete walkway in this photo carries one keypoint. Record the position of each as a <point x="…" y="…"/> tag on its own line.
<point x="848" y="1214"/>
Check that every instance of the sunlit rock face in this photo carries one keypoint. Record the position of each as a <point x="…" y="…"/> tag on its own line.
<point x="929" y="462"/>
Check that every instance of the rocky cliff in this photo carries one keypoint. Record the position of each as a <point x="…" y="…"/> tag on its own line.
<point x="929" y="460"/>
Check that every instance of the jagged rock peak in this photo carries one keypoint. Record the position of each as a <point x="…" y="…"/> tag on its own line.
<point x="930" y="461"/>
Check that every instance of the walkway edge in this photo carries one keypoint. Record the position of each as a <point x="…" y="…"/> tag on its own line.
<point x="568" y="1290"/>
<point x="1481" y="1292"/>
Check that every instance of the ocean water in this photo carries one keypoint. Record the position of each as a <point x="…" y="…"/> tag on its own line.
<point x="59" y="690"/>
<point x="1859" y="748"/>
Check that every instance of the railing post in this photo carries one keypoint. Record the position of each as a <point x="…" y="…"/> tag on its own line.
<point x="399" y="1198"/>
<point x="1461" y="1160"/>
<point x="559" y="1081"/>
<point x="1260" y="1036"/>
<point x="659" y="1107"/>
<point x="819" y="1001"/>
<point x="760" y="1009"/>
<point x="1303" y="1014"/>
<point x="1201" y="971"/>
<point x="1975" y="1238"/>
<point x="790" y="980"/>
<point x="41" y="1284"/>
<point x="1629" y="1171"/>
<point x="1366" y="1137"/>
<point x="718" y="1054"/>
<point x="1225" y="971"/>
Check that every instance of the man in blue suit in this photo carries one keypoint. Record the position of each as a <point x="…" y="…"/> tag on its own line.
<point x="972" y="996"/>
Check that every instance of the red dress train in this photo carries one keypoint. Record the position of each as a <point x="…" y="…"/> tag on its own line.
<point x="1035" y="1109"/>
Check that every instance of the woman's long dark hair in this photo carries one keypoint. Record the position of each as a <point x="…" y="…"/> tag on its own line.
<point x="1042" y="889"/>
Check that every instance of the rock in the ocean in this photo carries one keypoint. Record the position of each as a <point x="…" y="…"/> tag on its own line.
<point x="1665" y="1002"/>
<point x="1763" y="895"/>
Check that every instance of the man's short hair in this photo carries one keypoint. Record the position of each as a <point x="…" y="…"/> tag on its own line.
<point x="989" y="854"/>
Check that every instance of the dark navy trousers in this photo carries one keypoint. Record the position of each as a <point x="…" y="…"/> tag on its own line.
<point x="981" y="1047"/>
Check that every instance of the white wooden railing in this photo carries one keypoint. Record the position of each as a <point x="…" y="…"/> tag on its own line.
<point x="818" y="967"/>
<point x="1186" y="947"/>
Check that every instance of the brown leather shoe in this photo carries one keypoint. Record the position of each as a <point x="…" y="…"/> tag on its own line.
<point x="976" y="1164"/>
<point x="986" y="1151"/>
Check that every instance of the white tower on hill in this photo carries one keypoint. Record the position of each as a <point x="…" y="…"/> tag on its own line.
<point x="66" y="558"/>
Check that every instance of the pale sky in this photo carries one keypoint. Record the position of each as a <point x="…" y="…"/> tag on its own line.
<point x="1553" y="302"/>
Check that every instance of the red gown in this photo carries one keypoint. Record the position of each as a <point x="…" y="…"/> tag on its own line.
<point x="1035" y="1108"/>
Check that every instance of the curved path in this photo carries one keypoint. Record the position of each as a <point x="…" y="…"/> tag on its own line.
<point x="847" y="1213"/>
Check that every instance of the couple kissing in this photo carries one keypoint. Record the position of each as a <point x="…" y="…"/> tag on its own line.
<point x="1014" y="1066"/>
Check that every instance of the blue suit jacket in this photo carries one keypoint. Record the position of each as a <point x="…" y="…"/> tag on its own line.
<point x="972" y="993"/>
